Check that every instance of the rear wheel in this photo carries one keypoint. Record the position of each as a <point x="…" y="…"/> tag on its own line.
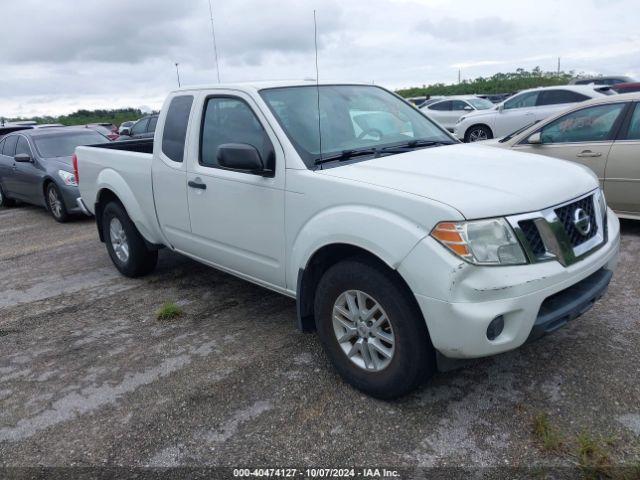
<point x="4" y="200"/>
<point x="55" y="203"/>
<point x="372" y="330"/>
<point x="478" y="133"/>
<point x="126" y="247"/>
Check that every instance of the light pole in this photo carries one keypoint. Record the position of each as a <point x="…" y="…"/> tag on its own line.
<point x="178" y="73"/>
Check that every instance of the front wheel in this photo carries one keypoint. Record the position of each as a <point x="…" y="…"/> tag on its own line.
<point x="478" y="133"/>
<point x="126" y="247"/>
<point x="372" y="330"/>
<point x="55" y="203"/>
<point x="4" y="200"/>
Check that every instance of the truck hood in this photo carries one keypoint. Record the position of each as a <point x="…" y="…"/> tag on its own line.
<point x="479" y="181"/>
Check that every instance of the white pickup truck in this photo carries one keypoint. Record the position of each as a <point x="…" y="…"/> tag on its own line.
<point x="404" y="249"/>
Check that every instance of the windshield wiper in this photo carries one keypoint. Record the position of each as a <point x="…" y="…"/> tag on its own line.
<point x="404" y="147"/>
<point x="345" y="155"/>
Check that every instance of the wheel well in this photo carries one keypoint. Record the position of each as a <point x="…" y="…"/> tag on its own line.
<point x="104" y="197"/>
<point x="45" y="184"/>
<point x="466" y="133"/>
<point x="318" y="264"/>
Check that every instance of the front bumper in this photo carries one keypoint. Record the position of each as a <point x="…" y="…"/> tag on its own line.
<point x="459" y="300"/>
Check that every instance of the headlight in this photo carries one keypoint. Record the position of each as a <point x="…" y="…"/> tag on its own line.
<point x="603" y="202"/>
<point x="68" y="178"/>
<point x="482" y="242"/>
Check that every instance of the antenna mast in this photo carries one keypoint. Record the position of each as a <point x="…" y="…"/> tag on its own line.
<point x="315" y="39"/>
<point x="213" y="38"/>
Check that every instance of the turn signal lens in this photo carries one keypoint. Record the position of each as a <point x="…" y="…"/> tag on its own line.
<point x="482" y="242"/>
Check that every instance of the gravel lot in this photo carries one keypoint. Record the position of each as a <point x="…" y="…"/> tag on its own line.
<point x="89" y="376"/>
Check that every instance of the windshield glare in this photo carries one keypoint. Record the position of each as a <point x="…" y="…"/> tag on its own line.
<point x="64" y="144"/>
<point x="351" y="117"/>
<point x="480" y="103"/>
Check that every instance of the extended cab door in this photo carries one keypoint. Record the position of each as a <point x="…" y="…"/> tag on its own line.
<point x="584" y="136"/>
<point x="169" y="172"/>
<point x="237" y="216"/>
<point x="622" y="177"/>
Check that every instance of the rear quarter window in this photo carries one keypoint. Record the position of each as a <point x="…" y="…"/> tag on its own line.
<point x="175" y="127"/>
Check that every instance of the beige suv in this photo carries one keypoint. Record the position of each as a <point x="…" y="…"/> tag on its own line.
<point x="602" y="134"/>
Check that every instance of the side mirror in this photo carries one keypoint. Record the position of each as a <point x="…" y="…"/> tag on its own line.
<point x="500" y="107"/>
<point x="243" y="157"/>
<point x="22" y="158"/>
<point x="467" y="108"/>
<point x="535" y="138"/>
<point x="126" y="131"/>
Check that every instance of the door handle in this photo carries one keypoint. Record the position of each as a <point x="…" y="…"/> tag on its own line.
<point x="201" y="186"/>
<point x="588" y="153"/>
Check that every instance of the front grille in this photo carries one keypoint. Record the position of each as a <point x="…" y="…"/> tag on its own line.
<point x="566" y="216"/>
<point x="532" y="235"/>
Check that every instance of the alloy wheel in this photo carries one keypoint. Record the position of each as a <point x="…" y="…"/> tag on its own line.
<point x="118" y="239"/>
<point x="363" y="330"/>
<point x="477" y="135"/>
<point x="55" y="203"/>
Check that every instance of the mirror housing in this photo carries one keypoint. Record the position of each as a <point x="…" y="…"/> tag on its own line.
<point x="22" y="158"/>
<point x="242" y="157"/>
<point x="126" y="131"/>
<point x="500" y="107"/>
<point x="467" y="108"/>
<point x="535" y="138"/>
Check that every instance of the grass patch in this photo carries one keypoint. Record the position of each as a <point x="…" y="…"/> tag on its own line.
<point x="546" y="434"/>
<point x="593" y="458"/>
<point x="169" y="311"/>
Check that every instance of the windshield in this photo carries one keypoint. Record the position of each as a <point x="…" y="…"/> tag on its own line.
<point x="64" y="144"/>
<point x="480" y="103"/>
<point x="352" y="117"/>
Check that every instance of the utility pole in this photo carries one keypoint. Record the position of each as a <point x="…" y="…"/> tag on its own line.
<point x="558" y="66"/>
<point x="178" y="74"/>
<point x="459" y="74"/>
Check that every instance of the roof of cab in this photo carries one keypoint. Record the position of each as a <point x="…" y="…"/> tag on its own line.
<point x="260" y="85"/>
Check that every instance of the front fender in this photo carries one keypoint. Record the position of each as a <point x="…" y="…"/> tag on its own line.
<point x="387" y="235"/>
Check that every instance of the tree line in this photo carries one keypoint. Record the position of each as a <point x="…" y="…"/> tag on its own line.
<point x="509" y="82"/>
<point x="82" y="117"/>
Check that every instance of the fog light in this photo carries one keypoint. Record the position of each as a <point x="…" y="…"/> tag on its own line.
<point x="495" y="327"/>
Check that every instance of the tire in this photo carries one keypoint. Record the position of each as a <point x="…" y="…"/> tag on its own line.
<point x="412" y="354"/>
<point x="4" y="200"/>
<point x="126" y="247"/>
<point x="55" y="203"/>
<point x="478" y="133"/>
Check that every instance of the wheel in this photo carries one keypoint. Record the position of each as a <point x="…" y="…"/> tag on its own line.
<point x="55" y="203"/>
<point x="4" y="200"/>
<point x="126" y="247"/>
<point x="372" y="329"/>
<point x="478" y="133"/>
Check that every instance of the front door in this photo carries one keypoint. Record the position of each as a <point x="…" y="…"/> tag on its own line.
<point x="583" y="136"/>
<point x="28" y="175"/>
<point x="237" y="217"/>
<point x="622" y="177"/>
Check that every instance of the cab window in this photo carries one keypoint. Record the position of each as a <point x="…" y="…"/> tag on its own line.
<point x="231" y="120"/>
<point x="591" y="124"/>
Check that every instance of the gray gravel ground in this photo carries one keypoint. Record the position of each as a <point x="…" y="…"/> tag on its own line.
<point x="88" y="376"/>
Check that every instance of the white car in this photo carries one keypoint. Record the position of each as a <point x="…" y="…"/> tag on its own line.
<point x="448" y="111"/>
<point x="522" y="109"/>
<point x="402" y="247"/>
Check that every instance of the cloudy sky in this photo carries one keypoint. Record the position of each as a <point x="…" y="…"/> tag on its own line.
<point x="57" y="56"/>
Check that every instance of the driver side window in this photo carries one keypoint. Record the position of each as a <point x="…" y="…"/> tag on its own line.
<point x="522" y="101"/>
<point x="593" y="124"/>
<point x="140" y="127"/>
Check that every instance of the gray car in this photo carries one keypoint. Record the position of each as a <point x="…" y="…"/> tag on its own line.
<point x="36" y="167"/>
